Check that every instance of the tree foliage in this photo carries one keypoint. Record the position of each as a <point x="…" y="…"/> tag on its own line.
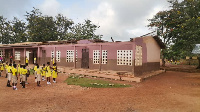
<point x="179" y="27"/>
<point x="41" y="28"/>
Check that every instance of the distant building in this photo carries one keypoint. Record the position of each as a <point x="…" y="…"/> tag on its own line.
<point x="141" y="54"/>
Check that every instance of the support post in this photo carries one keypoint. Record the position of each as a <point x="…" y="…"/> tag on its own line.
<point x="100" y="57"/>
<point x="74" y="56"/>
<point x="24" y="56"/>
<point x="13" y="56"/>
<point x="38" y="56"/>
<point x="54" y="59"/>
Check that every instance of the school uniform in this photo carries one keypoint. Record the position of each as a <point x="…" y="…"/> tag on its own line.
<point x="2" y="67"/>
<point x="26" y="60"/>
<point x="54" y="74"/>
<point x="14" y="75"/>
<point x="35" y="69"/>
<point x="34" y="60"/>
<point x="9" y="69"/>
<point x="23" y="72"/>
<point x="48" y="73"/>
<point x="38" y="72"/>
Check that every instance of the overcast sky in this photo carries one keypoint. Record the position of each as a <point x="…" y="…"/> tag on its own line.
<point x="120" y="19"/>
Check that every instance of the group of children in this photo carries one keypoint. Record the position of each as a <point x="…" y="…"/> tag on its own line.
<point x="23" y="71"/>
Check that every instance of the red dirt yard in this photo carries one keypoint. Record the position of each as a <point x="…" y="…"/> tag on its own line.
<point x="168" y="92"/>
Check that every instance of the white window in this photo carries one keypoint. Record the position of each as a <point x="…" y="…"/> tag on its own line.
<point x="1" y="53"/>
<point x="138" y="56"/>
<point x="124" y="57"/>
<point x="70" y="56"/>
<point x="96" y="56"/>
<point x="58" y="53"/>
<point x="104" y="57"/>
<point x="17" y="55"/>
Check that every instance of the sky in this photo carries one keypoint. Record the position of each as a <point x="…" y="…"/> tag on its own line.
<point x="119" y="19"/>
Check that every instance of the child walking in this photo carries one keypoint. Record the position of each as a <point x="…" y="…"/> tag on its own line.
<point x="55" y="73"/>
<point x="6" y="69"/>
<point x="24" y="72"/>
<point x="38" y="72"/>
<point x="44" y="69"/>
<point x="14" y="77"/>
<point x="35" y="69"/>
<point x="2" y="69"/>
<point x="48" y="73"/>
<point x="9" y="76"/>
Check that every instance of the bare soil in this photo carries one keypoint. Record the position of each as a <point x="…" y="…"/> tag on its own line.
<point x="168" y="92"/>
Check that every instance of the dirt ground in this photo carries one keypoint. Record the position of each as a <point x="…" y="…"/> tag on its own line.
<point x="168" y="92"/>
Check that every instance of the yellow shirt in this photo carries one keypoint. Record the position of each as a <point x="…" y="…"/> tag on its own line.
<point x="6" y="66"/>
<point x="26" y="60"/>
<point x="24" y="71"/>
<point x="35" y="59"/>
<point x="14" y="71"/>
<point x="54" y="68"/>
<point x="39" y="71"/>
<point x="9" y="69"/>
<point x="35" y="68"/>
<point x="20" y="70"/>
<point x="53" y="61"/>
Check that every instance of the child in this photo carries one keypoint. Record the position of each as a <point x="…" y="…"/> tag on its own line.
<point x="26" y="61"/>
<point x="28" y="73"/>
<point x="19" y="72"/>
<point x="24" y="72"/>
<point x="2" y="69"/>
<point x="48" y="73"/>
<point x="9" y="76"/>
<point x="6" y="69"/>
<point x="14" y="77"/>
<point x="44" y="69"/>
<point x="54" y="74"/>
<point x="38" y="72"/>
<point x="35" y="69"/>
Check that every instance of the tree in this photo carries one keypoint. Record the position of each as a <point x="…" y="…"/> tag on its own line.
<point x="63" y="26"/>
<point x="40" y="28"/>
<point x="18" y="29"/>
<point x="5" y="31"/>
<point x="179" y="27"/>
<point x="85" y="30"/>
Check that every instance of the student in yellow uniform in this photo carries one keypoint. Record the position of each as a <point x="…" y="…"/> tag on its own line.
<point x="6" y="69"/>
<point x="35" y="61"/>
<point x="9" y="69"/>
<point x="14" y="77"/>
<point x="48" y="73"/>
<point x="53" y="61"/>
<point x="35" y="69"/>
<point x="1" y="69"/>
<point x="55" y="73"/>
<point x="24" y="72"/>
<point x="19" y="72"/>
<point x="44" y="69"/>
<point x="38" y="72"/>
<point x="26" y="61"/>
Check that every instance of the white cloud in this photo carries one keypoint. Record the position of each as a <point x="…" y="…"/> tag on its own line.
<point x="50" y="7"/>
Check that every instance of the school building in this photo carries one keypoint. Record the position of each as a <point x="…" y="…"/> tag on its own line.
<point x="139" y="55"/>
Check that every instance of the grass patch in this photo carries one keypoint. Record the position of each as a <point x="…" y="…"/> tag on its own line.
<point x="95" y="83"/>
<point x="31" y="72"/>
